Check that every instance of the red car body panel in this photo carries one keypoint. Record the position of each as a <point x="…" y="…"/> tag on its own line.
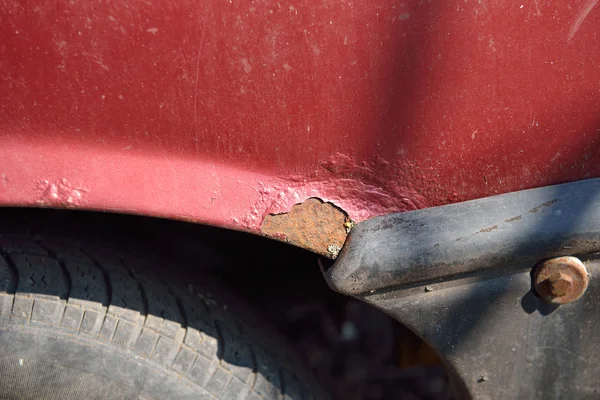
<point x="222" y="112"/>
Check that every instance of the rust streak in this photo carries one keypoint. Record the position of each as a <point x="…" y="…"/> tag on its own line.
<point x="314" y="225"/>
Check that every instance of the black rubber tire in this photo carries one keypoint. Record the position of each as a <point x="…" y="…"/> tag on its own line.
<point x="94" y="323"/>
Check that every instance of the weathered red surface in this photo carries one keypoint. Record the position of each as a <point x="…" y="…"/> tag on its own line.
<point x="223" y="112"/>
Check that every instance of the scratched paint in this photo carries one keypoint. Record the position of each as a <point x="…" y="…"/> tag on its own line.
<point x="226" y="112"/>
<point x="360" y="190"/>
<point x="587" y="8"/>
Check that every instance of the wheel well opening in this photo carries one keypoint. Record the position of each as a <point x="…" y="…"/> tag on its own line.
<point x="357" y="351"/>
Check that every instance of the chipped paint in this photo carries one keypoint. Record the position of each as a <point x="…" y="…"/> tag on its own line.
<point x="343" y="176"/>
<point x="61" y="193"/>
<point x="314" y="225"/>
<point x="359" y="188"/>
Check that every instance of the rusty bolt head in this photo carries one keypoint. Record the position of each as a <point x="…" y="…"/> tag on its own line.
<point x="560" y="280"/>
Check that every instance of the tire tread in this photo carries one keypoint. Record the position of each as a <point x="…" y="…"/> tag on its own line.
<point x="116" y="300"/>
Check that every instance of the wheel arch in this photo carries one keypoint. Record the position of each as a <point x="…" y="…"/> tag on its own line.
<point x="159" y="184"/>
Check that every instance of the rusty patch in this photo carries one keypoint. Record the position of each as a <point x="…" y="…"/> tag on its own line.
<point x="513" y="219"/>
<point x="543" y="205"/>
<point x="491" y="228"/>
<point x="314" y="225"/>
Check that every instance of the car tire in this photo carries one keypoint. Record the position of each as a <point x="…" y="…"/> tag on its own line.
<point x="90" y="322"/>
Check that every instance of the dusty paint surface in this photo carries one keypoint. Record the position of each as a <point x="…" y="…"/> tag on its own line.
<point x="313" y="224"/>
<point x="227" y="112"/>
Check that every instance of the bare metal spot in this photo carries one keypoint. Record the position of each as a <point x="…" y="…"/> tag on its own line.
<point x="314" y="225"/>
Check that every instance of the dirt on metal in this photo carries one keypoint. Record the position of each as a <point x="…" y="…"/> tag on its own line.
<point x="313" y="225"/>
